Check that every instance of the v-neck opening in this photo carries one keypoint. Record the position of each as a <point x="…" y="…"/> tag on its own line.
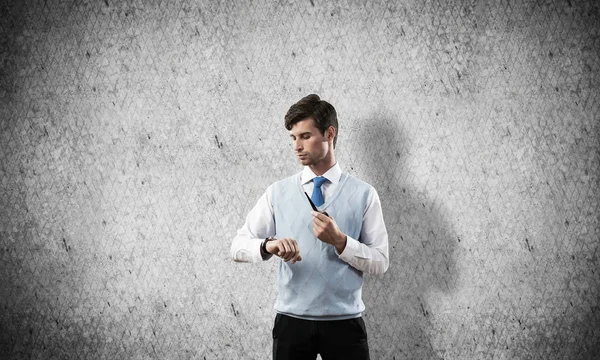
<point x="330" y="199"/>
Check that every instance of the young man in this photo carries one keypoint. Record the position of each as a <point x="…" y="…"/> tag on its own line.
<point x="322" y="254"/>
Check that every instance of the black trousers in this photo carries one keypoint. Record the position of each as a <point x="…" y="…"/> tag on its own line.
<point x="300" y="339"/>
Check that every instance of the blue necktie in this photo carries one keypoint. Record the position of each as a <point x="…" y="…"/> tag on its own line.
<point x="317" y="194"/>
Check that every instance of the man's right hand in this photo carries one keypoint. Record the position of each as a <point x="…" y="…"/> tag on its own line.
<point x="287" y="249"/>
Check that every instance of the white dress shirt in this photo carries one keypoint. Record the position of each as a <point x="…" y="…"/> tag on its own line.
<point x="368" y="254"/>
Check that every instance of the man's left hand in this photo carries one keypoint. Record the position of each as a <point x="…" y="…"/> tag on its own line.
<point x="326" y="230"/>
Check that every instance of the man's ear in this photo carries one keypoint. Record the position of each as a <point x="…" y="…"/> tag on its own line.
<point x="330" y="133"/>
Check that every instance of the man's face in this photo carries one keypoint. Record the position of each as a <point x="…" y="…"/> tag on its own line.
<point x="309" y="144"/>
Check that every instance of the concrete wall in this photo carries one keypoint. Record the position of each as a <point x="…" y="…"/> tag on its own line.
<point x="135" y="136"/>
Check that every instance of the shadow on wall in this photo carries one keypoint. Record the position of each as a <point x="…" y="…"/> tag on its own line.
<point x="422" y="265"/>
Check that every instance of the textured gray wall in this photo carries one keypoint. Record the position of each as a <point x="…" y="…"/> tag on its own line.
<point x="135" y="136"/>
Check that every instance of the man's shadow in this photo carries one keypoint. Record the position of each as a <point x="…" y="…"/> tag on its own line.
<point x="422" y="243"/>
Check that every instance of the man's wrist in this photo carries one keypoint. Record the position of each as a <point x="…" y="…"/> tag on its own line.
<point x="341" y="244"/>
<point x="266" y="255"/>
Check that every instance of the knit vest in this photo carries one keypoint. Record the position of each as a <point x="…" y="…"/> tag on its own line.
<point x="321" y="286"/>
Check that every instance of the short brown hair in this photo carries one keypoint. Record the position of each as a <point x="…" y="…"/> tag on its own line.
<point x="311" y="106"/>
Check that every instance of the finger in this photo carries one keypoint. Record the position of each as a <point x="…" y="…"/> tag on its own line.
<point x="294" y="258"/>
<point x="319" y="215"/>
<point x="280" y="248"/>
<point x="320" y="227"/>
<point x="317" y="230"/>
<point x="323" y="216"/>
<point x="291" y="249"/>
<point x="322" y="220"/>
<point x="319" y="222"/>
<point x="285" y="250"/>
<point x="296" y="252"/>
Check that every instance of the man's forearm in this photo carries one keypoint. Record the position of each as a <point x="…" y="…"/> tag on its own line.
<point x="259" y="225"/>
<point x="246" y="249"/>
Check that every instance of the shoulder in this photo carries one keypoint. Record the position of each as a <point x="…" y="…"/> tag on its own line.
<point x="288" y="180"/>
<point x="362" y="189"/>
<point x="354" y="181"/>
<point x="285" y="183"/>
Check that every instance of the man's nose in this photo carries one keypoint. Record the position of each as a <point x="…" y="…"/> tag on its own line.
<point x="297" y="145"/>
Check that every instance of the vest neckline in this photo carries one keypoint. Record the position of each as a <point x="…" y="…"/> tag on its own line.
<point x="331" y="199"/>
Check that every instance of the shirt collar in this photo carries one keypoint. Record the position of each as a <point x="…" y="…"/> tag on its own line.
<point x="333" y="174"/>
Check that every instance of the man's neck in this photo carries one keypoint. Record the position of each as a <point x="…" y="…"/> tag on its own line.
<point x="321" y="167"/>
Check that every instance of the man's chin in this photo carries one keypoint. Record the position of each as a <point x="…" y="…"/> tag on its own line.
<point x="305" y="162"/>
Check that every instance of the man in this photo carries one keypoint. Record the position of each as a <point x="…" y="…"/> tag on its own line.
<point x="323" y="254"/>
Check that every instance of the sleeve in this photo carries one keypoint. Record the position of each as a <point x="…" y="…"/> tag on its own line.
<point x="259" y="225"/>
<point x="370" y="254"/>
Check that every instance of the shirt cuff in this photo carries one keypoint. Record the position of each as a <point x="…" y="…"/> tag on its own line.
<point x="351" y="249"/>
<point x="256" y="253"/>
